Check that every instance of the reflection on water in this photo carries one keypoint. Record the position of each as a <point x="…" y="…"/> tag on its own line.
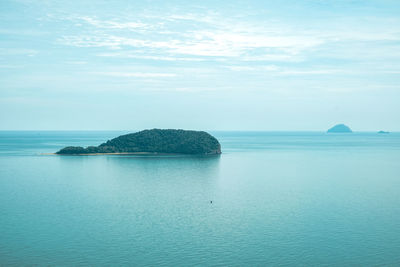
<point x="179" y="166"/>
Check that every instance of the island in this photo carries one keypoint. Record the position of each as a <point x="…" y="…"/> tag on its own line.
<point x="155" y="141"/>
<point x="340" y="128"/>
<point x="383" y="132"/>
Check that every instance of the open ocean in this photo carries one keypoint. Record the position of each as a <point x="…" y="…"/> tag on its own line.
<point x="278" y="198"/>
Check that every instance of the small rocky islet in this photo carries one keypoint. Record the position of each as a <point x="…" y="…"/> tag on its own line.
<point x="383" y="132"/>
<point x="160" y="141"/>
<point x="340" y="128"/>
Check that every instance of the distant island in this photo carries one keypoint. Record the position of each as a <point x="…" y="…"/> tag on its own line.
<point x="340" y="128"/>
<point x="383" y="132"/>
<point x="153" y="141"/>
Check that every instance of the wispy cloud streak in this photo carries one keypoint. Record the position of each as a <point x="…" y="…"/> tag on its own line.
<point x="135" y="74"/>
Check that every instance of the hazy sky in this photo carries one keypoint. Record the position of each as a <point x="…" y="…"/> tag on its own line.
<point x="235" y="65"/>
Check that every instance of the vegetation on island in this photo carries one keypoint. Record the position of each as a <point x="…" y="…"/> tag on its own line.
<point x="154" y="141"/>
<point x="340" y="128"/>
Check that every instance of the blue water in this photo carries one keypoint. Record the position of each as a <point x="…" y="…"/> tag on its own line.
<point x="308" y="199"/>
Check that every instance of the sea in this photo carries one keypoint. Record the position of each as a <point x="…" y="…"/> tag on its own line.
<point x="270" y="199"/>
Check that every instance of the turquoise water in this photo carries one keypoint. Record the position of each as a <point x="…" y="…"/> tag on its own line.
<point x="308" y="199"/>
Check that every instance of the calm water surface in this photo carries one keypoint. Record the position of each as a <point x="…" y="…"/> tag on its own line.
<point x="308" y="199"/>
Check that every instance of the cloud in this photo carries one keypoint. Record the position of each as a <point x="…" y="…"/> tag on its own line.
<point x="308" y="72"/>
<point x="76" y="62"/>
<point x="8" y="66"/>
<point x="18" y="51"/>
<point x="111" y="24"/>
<point x="275" y="70"/>
<point x="204" y="38"/>
<point x="129" y="54"/>
<point x="210" y="37"/>
<point x="136" y="74"/>
<point x="212" y="44"/>
<point x="253" y="68"/>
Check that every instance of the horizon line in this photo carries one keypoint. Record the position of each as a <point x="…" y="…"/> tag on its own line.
<point x="316" y="131"/>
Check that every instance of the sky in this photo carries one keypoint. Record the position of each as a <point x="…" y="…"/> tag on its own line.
<point x="210" y="65"/>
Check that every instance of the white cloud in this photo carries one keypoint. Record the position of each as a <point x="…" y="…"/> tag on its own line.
<point x="128" y="54"/>
<point x="109" y="24"/>
<point x="253" y="68"/>
<point x="212" y="44"/>
<point x="308" y="72"/>
<point x="136" y="74"/>
<point x="18" y="51"/>
<point x="212" y="37"/>
<point x="196" y="37"/>
<point x="8" y="66"/>
<point x="76" y="62"/>
<point x="391" y="72"/>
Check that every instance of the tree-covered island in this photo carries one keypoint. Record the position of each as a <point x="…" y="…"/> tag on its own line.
<point x="154" y="141"/>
